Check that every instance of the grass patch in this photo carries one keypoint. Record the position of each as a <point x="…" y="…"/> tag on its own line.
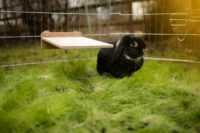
<point x="72" y="97"/>
<point x="31" y="52"/>
<point x="26" y="53"/>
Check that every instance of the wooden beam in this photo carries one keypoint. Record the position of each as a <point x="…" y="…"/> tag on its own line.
<point x="61" y="34"/>
<point x="69" y="40"/>
<point x="45" y="44"/>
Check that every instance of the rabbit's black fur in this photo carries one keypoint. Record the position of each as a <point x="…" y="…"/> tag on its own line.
<point x="123" y="59"/>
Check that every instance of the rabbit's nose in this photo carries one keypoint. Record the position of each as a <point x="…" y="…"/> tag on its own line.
<point x="145" y="51"/>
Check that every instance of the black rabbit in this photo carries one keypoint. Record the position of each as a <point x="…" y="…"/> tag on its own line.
<point x="123" y="59"/>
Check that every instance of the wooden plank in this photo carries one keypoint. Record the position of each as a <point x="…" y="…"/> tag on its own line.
<point x="47" y="45"/>
<point x="75" y="42"/>
<point x="69" y="40"/>
<point x="61" y="34"/>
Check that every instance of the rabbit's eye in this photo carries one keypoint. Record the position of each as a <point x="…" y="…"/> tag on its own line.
<point x="134" y="44"/>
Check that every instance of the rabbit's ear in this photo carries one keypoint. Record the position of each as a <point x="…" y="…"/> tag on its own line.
<point x="118" y="49"/>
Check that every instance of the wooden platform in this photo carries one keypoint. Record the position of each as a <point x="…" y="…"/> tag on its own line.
<point x="69" y="40"/>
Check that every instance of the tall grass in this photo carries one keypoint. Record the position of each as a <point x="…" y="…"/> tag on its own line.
<point x="72" y="97"/>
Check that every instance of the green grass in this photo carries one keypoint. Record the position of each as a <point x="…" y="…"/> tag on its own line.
<point x="72" y="97"/>
<point x="31" y="52"/>
<point x="26" y="53"/>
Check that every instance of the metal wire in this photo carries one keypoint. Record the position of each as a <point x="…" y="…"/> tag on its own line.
<point x="57" y="61"/>
<point x="43" y="62"/>
<point x="112" y="34"/>
<point x="95" y="14"/>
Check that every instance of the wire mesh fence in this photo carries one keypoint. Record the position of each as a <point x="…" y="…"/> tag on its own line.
<point x="170" y="28"/>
